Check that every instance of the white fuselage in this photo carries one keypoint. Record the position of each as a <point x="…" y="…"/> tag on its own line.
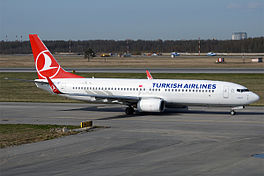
<point x="178" y="92"/>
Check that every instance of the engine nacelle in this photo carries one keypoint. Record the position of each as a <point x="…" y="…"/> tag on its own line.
<point x="151" y="105"/>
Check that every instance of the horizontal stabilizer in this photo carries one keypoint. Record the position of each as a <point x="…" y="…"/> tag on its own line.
<point x="53" y="87"/>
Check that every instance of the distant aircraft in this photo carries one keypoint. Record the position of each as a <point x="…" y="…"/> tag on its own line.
<point x="174" y="54"/>
<point x="211" y="54"/>
<point x="143" y="95"/>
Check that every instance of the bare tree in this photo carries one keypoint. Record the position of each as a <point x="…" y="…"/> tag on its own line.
<point x="88" y="54"/>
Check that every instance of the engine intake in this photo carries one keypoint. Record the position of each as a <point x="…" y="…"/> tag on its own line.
<point x="151" y="105"/>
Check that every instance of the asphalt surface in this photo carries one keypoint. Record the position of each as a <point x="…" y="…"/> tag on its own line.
<point x="152" y="70"/>
<point x="201" y="141"/>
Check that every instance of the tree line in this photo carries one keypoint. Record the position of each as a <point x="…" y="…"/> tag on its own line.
<point x="251" y="45"/>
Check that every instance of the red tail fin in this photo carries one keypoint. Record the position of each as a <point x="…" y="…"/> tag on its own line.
<point x="46" y="64"/>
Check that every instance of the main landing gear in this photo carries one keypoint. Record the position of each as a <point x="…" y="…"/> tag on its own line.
<point x="129" y="110"/>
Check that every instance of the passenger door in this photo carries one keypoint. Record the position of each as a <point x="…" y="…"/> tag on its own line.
<point x="226" y="92"/>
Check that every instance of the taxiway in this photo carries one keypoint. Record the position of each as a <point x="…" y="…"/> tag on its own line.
<point x="200" y="141"/>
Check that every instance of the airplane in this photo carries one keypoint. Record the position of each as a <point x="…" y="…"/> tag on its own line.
<point x="211" y="54"/>
<point x="143" y="95"/>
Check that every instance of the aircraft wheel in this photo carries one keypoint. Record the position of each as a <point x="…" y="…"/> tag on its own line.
<point x="233" y="112"/>
<point x="129" y="111"/>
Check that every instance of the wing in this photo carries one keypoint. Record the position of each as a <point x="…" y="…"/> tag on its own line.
<point x="105" y="98"/>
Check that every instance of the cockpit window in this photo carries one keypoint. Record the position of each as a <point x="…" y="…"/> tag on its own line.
<point x="242" y="90"/>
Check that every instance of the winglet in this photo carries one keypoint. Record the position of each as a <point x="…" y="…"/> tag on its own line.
<point x="53" y="87"/>
<point x="148" y="75"/>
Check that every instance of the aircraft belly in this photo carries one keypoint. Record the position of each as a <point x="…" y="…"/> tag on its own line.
<point x="196" y="100"/>
<point x="82" y="98"/>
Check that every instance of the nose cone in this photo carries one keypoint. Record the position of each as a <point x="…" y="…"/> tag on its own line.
<point x="254" y="97"/>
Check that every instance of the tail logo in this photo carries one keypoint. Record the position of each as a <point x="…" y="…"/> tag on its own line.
<point x="46" y="65"/>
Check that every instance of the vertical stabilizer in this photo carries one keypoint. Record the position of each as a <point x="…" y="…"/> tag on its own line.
<point x="46" y="64"/>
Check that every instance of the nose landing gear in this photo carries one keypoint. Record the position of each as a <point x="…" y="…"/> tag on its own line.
<point x="233" y="112"/>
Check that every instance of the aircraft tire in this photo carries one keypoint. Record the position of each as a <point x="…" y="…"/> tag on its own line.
<point x="233" y="112"/>
<point x="129" y="111"/>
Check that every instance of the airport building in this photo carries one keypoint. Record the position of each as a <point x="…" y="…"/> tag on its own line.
<point x="239" y="36"/>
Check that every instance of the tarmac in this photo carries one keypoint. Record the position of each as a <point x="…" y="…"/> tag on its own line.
<point x="201" y="141"/>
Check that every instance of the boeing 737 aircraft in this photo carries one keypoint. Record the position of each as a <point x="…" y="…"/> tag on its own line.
<point x="143" y="95"/>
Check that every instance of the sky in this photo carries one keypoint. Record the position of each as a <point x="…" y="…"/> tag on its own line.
<point x="130" y="19"/>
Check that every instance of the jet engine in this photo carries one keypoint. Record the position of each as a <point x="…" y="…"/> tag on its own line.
<point x="151" y="105"/>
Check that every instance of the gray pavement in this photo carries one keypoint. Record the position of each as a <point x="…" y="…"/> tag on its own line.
<point x="152" y="70"/>
<point x="201" y="141"/>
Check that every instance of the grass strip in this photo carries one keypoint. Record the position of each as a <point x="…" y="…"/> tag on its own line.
<point x="17" y="134"/>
